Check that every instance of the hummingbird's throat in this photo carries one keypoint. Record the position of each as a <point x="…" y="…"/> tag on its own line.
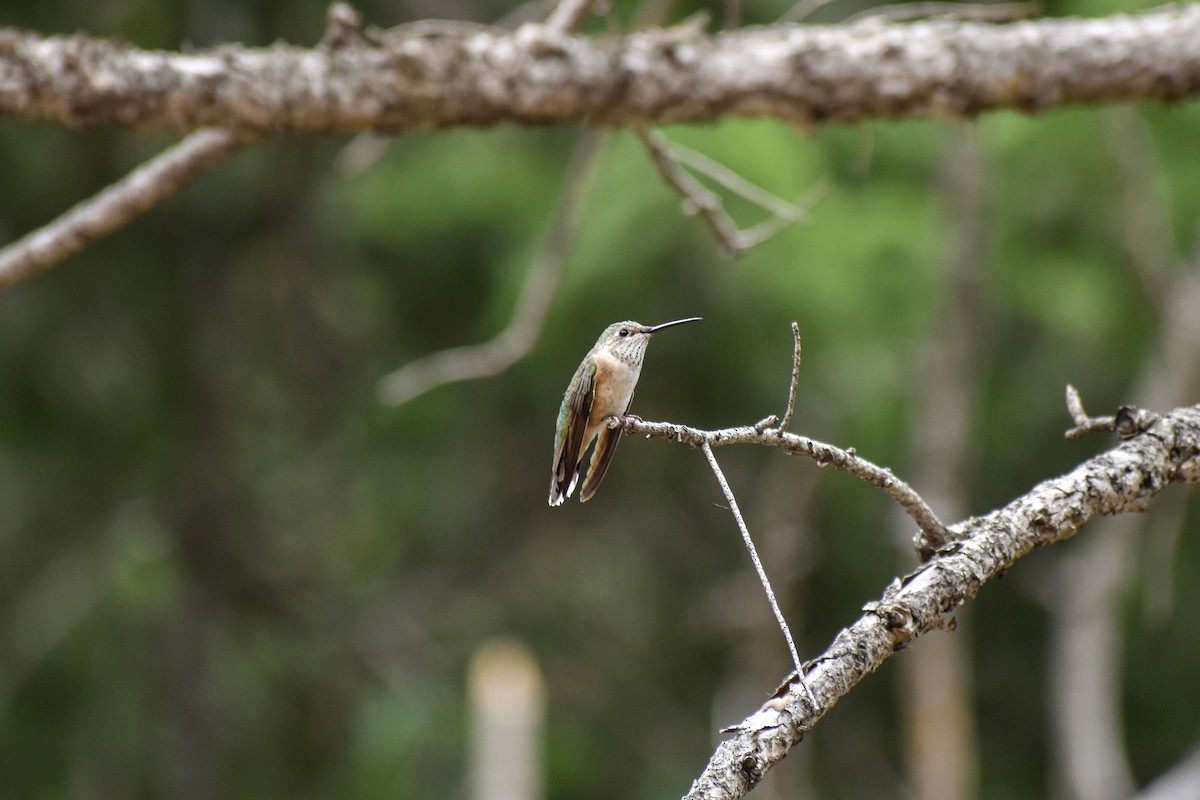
<point x="631" y="350"/>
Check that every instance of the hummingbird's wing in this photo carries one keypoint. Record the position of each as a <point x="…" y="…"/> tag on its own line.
<point x="568" y="438"/>
<point x="602" y="453"/>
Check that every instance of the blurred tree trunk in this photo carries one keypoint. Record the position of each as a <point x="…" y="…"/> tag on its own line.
<point x="941" y="730"/>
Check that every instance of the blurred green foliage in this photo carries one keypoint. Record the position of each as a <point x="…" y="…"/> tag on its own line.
<point x="229" y="572"/>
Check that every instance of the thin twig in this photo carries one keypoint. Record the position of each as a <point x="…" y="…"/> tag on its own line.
<point x="521" y="333"/>
<point x="791" y="403"/>
<point x="699" y="199"/>
<point x="567" y="16"/>
<point x="989" y="545"/>
<point x="734" y="182"/>
<point x="987" y="12"/>
<point x="803" y="10"/>
<point x="118" y="204"/>
<point x="824" y="454"/>
<point x="762" y="573"/>
<point x="1129" y="421"/>
<point x="1083" y="423"/>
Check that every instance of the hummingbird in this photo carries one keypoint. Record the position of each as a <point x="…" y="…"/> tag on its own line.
<point x="602" y="387"/>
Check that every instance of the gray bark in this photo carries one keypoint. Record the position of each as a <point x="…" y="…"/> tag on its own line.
<point x="445" y="74"/>
<point x="1113" y="482"/>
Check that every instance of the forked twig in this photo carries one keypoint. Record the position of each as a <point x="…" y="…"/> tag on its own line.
<point x="698" y="199"/>
<point x="758" y="567"/>
<point x="118" y="204"/>
<point x="668" y="159"/>
<point x="1128" y="422"/>
<point x="519" y="336"/>
<point x="1083" y="423"/>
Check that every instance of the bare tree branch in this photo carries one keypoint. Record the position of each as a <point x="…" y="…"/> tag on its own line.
<point x="126" y="199"/>
<point x="568" y="15"/>
<point x="791" y="402"/>
<point x="668" y="157"/>
<point x="1113" y="482"/>
<point x="697" y="198"/>
<point x="758" y="567"/>
<point x="1129" y="421"/>
<point x="823" y="454"/>
<point x="1178" y="784"/>
<point x="992" y="12"/>
<point x="521" y="333"/>
<point x="407" y="78"/>
<point x="735" y="183"/>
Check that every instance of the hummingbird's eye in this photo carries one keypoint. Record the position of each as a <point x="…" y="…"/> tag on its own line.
<point x="623" y="332"/>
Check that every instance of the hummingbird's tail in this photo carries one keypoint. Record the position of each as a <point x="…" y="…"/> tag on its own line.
<point x="561" y="489"/>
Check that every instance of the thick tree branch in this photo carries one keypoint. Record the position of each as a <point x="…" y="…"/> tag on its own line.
<point x="436" y="76"/>
<point x="1110" y="483"/>
<point x="133" y="195"/>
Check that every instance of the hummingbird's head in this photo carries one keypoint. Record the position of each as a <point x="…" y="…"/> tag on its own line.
<point x="627" y="340"/>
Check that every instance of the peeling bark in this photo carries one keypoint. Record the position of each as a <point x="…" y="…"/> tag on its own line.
<point x="447" y="74"/>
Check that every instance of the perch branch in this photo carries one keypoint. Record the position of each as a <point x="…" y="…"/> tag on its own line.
<point x="519" y="336"/>
<point x="412" y="78"/>
<point x="824" y="454"/>
<point x="136" y="193"/>
<point x="758" y="567"/>
<point x="986" y="547"/>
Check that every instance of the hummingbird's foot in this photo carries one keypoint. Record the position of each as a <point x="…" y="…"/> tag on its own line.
<point x="617" y="420"/>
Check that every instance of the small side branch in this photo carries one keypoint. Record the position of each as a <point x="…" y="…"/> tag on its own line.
<point x="697" y="198"/>
<point x="567" y="16"/>
<point x="758" y="567"/>
<point x="136" y="193"/>
<point x="824" y="454"/>
<point x="791" y="403"/>
<point x="1129" y="421"/>
<point x="988" y="12"/>
<point x="669" y="159"/>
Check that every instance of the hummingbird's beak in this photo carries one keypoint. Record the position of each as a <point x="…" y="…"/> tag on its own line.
<point x="657" y="328"/>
